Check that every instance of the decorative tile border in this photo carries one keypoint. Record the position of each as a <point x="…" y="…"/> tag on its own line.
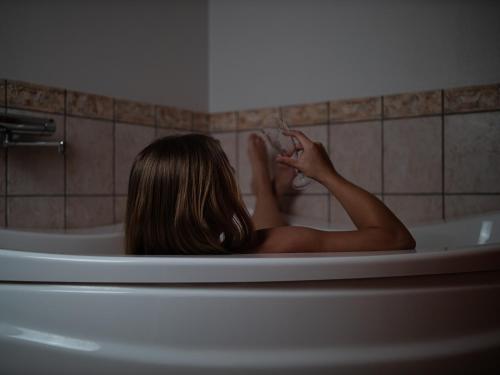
<point x="35" y="97"/>
<point x="254" y="119"/>
<point x="224" y="121"/>
<point x="23" y="95"/>
<point x="472" y="99"/>
<point x="170" y="117"/>
<point x="413" y="104"/>
<point x="201" y="122"/>
<point x="356" y="109"/>
<point x="89" y="105"/>
<point x="134" y="112"/>
<point x="307" y="114"/>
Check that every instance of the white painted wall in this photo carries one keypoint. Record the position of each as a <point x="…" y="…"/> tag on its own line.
<point x="222" y="55"/>
<point x="153" y="51"/>
<point x="267" y="53"/>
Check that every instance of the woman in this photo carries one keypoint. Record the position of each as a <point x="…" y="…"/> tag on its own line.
<point x="183" y="199"/>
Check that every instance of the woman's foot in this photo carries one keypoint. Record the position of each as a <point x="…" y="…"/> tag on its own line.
<point x="257" y="154"/>
<point x="283" y="178"/>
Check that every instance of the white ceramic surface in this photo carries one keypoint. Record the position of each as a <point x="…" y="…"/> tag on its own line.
<point x="71" y="303"/>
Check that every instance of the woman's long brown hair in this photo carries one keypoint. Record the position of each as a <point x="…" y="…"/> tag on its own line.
<point x="183" y="199"/>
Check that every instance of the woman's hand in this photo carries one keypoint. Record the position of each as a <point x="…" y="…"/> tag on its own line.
<point x="313" y="161"/>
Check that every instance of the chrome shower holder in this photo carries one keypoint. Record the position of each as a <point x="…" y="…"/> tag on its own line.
<point x="14" y="127"/>
<point x="8" y="142"/>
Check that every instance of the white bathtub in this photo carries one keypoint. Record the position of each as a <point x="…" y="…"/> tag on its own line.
<point x="65" y="309"/>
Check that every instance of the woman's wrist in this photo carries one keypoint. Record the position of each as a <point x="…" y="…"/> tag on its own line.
<point x="329" y="177"/>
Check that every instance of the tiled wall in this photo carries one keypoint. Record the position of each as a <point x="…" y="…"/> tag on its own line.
<point x="87" y="186"/>
<point x="429" y="155"/>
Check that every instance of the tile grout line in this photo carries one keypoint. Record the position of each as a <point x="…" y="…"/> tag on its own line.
<point x="65" y="173"/>
<point x="237" y="148"/>
<point x="437" y="193"/>
<point x="382" y="144"/>
<point x="329" y="208"/>
<point x="443" y="200"/>
<point x="5" y="160"/>
<point x="340" y="123"/>
<point x="156" y="121"/>
<point x="114" y="161"/>
<point x="6" y="182"/>
<point x="304" y="194"/>
<point x="62" y="195"/>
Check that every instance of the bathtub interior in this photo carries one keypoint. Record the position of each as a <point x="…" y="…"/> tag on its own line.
<point x="108" y="240"/>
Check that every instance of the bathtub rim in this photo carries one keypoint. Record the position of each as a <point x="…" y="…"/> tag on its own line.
<point x="31" y="267"/>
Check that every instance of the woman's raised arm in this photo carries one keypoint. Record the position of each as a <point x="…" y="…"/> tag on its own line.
<point x="377" y="227"/>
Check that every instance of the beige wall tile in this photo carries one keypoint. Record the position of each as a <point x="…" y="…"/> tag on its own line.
<point x="339" y="216"/>
<point x="2" y="211"/>
<point x="412" y="155"/>
<point x="176" y="118"/>
<point x="35" y="212"/>
<point x="229" y="142"/>
<point x="134" y="112"/>
<point x="356" y="109"/>
<point x="471" y="99"/>
<point x="307" y="114"/>
<point x="37" y="170"/>
<point x="89" y="105"/>
<point x="356" y="152"/>
<point x="36" y="97"/>
<point x="89" y="156"/>
<point x="83" y="212"/>
<point x="416" y="209"/>
<point x="129" y="141"/>
<point x="224" y="121"/>
<point x="3" y="180"/>
<point x="120" y="209"/>
<point x="254" y="119"/>
<point x="312" y="206"/>
<point x="413" y="104"/>
<point x="462" y="205"/>
<point x="472" y="153"/>
<point x="3" y="87"/>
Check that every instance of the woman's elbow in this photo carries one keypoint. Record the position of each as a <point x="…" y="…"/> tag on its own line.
<point x="399" y="239"/>
<point x="404" y="240"/>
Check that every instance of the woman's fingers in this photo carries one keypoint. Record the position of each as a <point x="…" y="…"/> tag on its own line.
<point x="291" y="162"/>
<point x="301" y="137"/>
